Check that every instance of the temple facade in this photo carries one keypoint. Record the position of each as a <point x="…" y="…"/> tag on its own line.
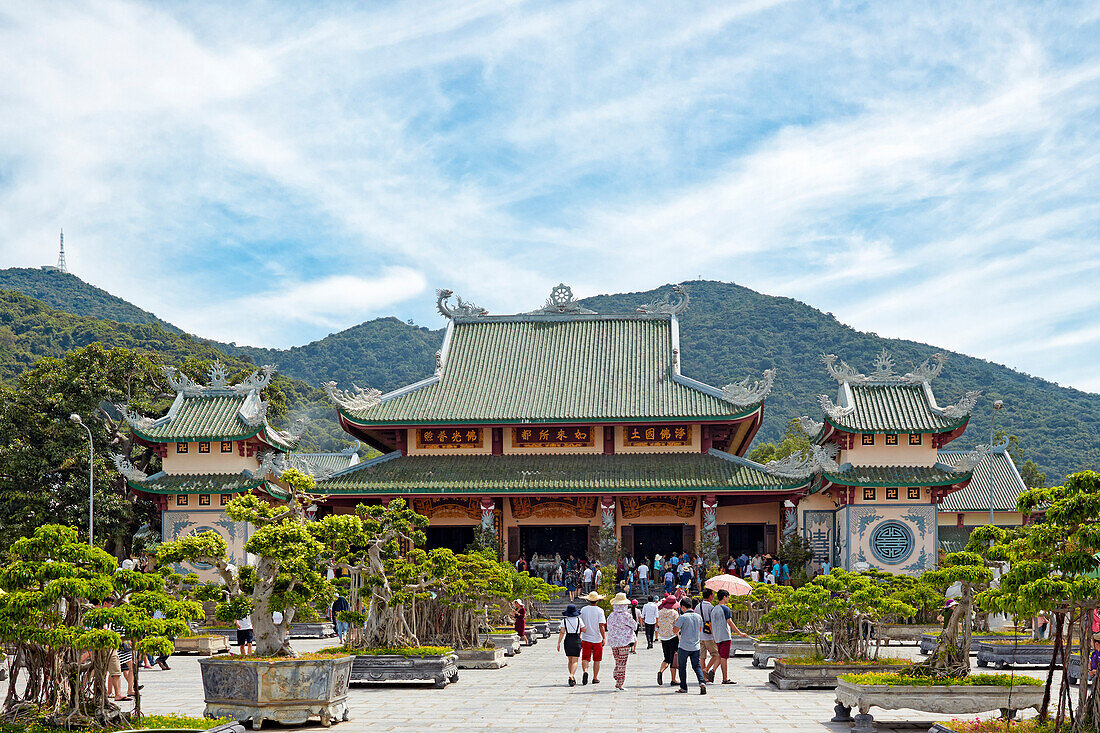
<point x="555" y="429"/>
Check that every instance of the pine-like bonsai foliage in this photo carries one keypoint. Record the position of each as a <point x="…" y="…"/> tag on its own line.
<point x="287" y="572"/>
<point x="951" y="657"/>
<point x="59" y="594"/>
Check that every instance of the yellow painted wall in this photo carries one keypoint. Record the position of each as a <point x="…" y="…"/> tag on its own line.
<point x="766" y="513"/>
<point x="881" y="454"/>
<point x="696" y="432"/>
<point x="978" y="519"/>
<point x="213" y="462"/>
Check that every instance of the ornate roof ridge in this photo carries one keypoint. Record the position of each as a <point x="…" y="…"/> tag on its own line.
<point x="561" y="302"/>
<point x="884" y="374"/>
<point x="218" y="385"/>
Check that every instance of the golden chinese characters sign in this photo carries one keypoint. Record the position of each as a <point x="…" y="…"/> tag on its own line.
<point x="657" y="435"/>
<point x="534" y="436"/>
<point x="448" y="437"/>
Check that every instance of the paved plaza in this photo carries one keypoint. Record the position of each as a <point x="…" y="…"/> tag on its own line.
<point x="530" y="694"/>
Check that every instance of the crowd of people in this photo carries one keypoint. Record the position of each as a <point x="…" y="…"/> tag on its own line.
<point x="691" y="632"/>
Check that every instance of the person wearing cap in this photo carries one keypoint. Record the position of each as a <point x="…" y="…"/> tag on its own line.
<point x="621" y="630"/>
<point x="666" y="634"/>
<point x="593" y="637"/>
<point x="571" y="629"/>
<point x="689" y="626"/>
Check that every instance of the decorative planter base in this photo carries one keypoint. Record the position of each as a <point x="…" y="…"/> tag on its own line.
<point x="928" y="642"/>
<point x="440" y="669"/>
<point x="764" y="651"/>
<point x="312" y="629"/>
<point x="282" y="690"/>
<point x="1002" y="656"/>
<point x="555" y="626"/>
<point x="204" y="646"/>
<point x="509" y="642"/>
<point x="742" y="644"/>
<point x="820" y="676"/>
<point x="906" y="633"/>
<point x="480" y="658"/>
<point x="542" y="628"/>
<point x="531" y="635"/>
<point x="948" y="700"/>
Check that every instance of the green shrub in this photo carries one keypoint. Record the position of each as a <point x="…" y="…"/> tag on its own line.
<point x="899" y="680"/>
<point x="406" y="651"/>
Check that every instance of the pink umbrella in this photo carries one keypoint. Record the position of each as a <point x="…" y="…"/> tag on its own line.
<point x="736" y="586"/>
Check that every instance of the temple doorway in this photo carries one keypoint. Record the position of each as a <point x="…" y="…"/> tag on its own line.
<point x="650" y="539"/>
<point x="456" y="539"/>
<point x="550" y="540"/>
<point x="746" y="538"/>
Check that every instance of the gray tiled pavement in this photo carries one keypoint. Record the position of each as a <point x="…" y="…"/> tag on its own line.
<point x="529" y="694"/>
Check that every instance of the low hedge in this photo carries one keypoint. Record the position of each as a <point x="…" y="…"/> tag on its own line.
<point x="900" y="680"/>
<point x="405" y="651"/>
<point x="817" y="659"/>
<point x="787" y="638"/>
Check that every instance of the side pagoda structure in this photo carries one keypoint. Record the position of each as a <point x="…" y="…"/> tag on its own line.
<point x="545" y="427"/>
<point x="214" y="443"/>
<point x="880" y="472"/>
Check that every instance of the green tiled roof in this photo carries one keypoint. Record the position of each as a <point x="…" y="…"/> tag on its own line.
<point x="208" y="416"/>
<point x="901" y="476"/>
<point x="891" y="408"/>
<point x="581" y="368"/>
<point x="1007" y="483"/>
<point x="190" y="483"/>
<point x="512" y="474"/>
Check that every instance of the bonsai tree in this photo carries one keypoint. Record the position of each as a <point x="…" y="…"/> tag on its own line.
<point x="750" y="610"/>
<point x="840" y="610"/>
<point x="469" y="585"/>
<point x="286" y="574"/>
<point x="951" y="657"/>
<point x="59" y="597"/>
<point x="1051" y="564"/>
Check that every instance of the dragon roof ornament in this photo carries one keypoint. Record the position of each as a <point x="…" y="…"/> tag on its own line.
<point x="963" y="407"/>
<point x="969" y="461"/>
<point x="355" y="399"/>
<point x="744" y="394"/>
<point x="561" y="302"/>
<point x="128" y="469"/>
<point x="254" y="413"/>
<point x="218" y="381"/>
<point x="810" y="426"/>
<point x="135" y="419"/>
<point x="461" y="307"/>
<point x="836" y="412"/>
<point x="673" y="306"/>
<point x="308" y="466"/>
<point x="803" y="464"/>
<point x="883" y="371"/>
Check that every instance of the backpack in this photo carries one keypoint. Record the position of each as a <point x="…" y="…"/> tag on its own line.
<point x="706" y="618"/>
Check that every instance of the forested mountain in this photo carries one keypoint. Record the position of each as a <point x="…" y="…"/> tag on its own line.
<point x="67" y="292"/>
<point x="30" y="330"/>
<point x="729" y="332"/>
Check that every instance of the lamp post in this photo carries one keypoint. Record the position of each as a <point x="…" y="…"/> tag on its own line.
<point x="997" y="404"/>
<point x="91" y="463"/>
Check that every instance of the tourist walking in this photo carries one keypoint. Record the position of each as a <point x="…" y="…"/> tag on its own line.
<point x="571" y="629"/>
<point x="589" y="577"/>
<point x="722" y="629"/>
<point x="340" y="604"/>
<point x="621" y="631"/>
<point x="708" y="650"/>
<point x="666" y="634"/>
<point x="519" y="614"/>
<point x="244" y="635"/>
<point x="643" y="577"/>
<point x="593" y="637"/>
<point x="649" y="620"/>
<point x="670" y="581"/>
<point x="689" y="626"/>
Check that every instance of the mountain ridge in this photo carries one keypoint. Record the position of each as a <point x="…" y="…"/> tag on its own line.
<point x="730" y="332"/>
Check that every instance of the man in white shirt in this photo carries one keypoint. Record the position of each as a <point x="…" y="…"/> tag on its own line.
<point x="599" y="578"/>
<point x="593" y="637"/>
<point x="643" y="578"/>
<point x="649" y="620"/>
<point x="589" y="575"/>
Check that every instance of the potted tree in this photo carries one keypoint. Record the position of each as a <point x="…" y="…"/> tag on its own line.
<point x="187" y="588"/>
<point x="65" y="609"/>
<point x="840" y="611"/>
<point x="276" y="683"/>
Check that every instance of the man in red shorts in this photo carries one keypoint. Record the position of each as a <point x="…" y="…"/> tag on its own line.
<point x="593" y="637"/>
<point x="721" y="626"/>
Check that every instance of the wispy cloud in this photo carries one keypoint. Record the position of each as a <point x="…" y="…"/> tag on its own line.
<point x="921" y="170"/>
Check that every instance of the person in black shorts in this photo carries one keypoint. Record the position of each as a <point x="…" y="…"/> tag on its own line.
<point x="244" y="635"/>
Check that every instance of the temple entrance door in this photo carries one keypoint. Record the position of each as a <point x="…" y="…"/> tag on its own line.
<point x="548" y="540"/>
<point x="650" y="539"/>
<point x="746" y="538"/>
<point x="456" y="539"/>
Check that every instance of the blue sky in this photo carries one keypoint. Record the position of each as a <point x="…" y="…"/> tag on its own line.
<point x="271" y="173"/>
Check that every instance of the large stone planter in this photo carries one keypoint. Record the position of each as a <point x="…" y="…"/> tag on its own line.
<point x="542" y="628"/>
<point x="204" y="646"/>
<point x="928" y="642"/>
<point x="375" y="668"/>
<point x="906" y="633"/>
<point x="1009" y="655"/>
<point x="820" y="676"/>
<point x="531" y="635"/>
<point x="764" y="651"/>
<point x="312" y="629"/>
<point x="508" y="641"/>
<point x="480" y="658"/>
<point x="555" y="625"/>
<point x="282" y="690"/>
<point x="742" y="644"/>
<point x="947" y="699"/>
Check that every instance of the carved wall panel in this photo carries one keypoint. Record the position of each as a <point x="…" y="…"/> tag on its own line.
<point x="450" y="507"/>
<point x="553" y="507"/>
<point x="634" y="507"/>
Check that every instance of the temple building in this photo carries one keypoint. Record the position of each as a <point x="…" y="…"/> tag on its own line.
<point x="546" y="426"/>
<point x="996" y="483"/>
